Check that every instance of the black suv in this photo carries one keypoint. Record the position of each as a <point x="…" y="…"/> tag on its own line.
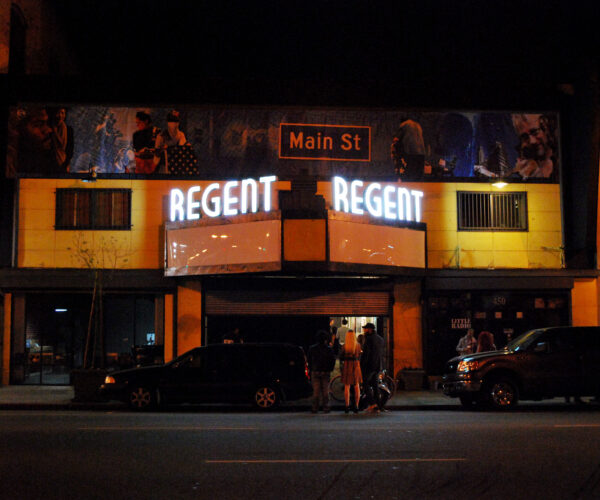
<point x="540" y="364"/>
<point x="263" y="374"/>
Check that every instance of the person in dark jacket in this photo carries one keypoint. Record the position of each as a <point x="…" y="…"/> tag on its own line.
<point x="371" y="363"/>
<point x="321" y="361"/>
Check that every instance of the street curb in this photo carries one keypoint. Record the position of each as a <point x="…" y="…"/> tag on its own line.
<point x="75" y="406"/>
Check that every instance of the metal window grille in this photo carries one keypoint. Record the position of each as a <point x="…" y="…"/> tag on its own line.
<point x="492" y="211"/>
<point x="101" y="209"/>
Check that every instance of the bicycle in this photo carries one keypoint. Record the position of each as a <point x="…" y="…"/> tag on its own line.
<point x="336" y="387"/>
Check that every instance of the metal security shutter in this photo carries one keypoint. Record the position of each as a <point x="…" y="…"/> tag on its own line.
<point x="279" y="303"/>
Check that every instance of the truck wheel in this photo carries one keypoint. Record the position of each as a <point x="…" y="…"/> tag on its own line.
<point x="502" y="393"/>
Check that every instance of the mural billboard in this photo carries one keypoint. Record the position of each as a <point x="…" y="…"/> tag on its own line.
<point x="233" y="142"/>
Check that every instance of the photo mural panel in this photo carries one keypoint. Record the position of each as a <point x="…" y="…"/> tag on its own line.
<point x="226" y="142"/>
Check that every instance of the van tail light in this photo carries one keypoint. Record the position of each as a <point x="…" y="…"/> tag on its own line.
<point x="306" y="369"/>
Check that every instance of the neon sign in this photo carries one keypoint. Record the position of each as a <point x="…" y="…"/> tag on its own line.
<point x="235" y="197"/>
<point x="389" y="202"/>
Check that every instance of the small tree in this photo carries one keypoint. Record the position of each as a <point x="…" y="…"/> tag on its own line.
<point x="102" y="260"/>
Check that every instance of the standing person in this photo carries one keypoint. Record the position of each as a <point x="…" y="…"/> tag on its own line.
<point x="408" y="149"/>
<point x="143" y="142"/>
<point x="332" y="332"/>
<point x="341" y="333"/>
<point x="321" y="361"/>
<point x="172" y="136"/>
<point x="351" y="374"/>
<point x="62" y="140"/>
<point x="485" y="342"/>
<point x="371" y="363"/>
<point x="467" y="344"/>
<point x="361" y="340"/>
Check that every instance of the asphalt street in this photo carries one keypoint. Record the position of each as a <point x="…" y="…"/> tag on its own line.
<point x="409" y="454"/>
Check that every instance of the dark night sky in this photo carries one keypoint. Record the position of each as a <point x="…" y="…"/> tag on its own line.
<point x="462" y="54"/>
<point x="418" y="42"/>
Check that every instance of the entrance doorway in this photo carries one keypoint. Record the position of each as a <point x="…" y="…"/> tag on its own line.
<point x="297" y="330"/>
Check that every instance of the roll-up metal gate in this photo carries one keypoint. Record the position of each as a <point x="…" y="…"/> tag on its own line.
<point x="289" y="303"/>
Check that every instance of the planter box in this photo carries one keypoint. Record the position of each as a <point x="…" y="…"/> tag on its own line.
<point x="414" y="380"/>
<point x="86" y="384"/>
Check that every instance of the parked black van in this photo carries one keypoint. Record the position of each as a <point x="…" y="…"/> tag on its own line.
<point x="540" y="364"/>
<point x="262" y="374"/>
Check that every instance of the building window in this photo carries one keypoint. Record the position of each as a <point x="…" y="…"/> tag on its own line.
<point x="492" y="211"/>
<point x="93" y="209"/>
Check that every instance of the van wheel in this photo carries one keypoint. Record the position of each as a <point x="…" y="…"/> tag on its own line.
<point x="266" y="397"/>
<point x="142" y="398"/>
<point x="502" y="393"/>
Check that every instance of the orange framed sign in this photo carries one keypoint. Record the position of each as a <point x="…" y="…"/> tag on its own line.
<point x="302" y="141"/>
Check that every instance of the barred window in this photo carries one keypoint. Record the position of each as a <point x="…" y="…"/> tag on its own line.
<point x="93" y="209"/>
<point x="492" y="211"/>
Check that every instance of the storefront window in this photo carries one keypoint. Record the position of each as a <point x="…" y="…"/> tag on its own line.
<point x="131" y="336"/>
<point x="506" y="314"/>
<point x="50" y="332"/>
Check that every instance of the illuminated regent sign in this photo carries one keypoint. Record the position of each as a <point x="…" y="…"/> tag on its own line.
<point x="298" y="141"/>
<point x="389" y="202"/>
<point x="235" y="197"/>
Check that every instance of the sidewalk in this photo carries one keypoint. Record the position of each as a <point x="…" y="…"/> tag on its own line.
<point x="35" y="397"/>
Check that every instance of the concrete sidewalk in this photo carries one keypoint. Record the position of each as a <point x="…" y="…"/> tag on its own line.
<point x="33" y="397"/>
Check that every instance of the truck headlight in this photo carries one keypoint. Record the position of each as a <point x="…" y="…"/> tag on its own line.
<point x="109" y="380"/>
<point x="467" y="366"/>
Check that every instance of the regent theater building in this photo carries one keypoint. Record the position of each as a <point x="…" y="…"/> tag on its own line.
<point x="281" y="222"/>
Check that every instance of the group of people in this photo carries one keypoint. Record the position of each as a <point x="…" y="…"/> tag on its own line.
<point x="150" y="143"/>
<point x="360" y="365"/>
<point x="469" y="344"/>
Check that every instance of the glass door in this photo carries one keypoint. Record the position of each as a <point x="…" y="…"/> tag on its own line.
<point x="55" y="327"/>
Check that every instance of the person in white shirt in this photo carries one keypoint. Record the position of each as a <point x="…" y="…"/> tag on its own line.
<point x="467" y="344"/>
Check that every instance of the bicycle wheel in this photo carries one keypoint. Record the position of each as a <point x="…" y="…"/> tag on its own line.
<point x="389" y="381"/>
<point x="336" y="389"/>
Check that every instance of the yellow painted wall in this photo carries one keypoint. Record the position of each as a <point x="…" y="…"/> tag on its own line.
<point x="539" y="247"/>
<point x="584" y="300"/>
<point x="406" y="313"/>
<point x="189" y="317"/>
<point x="140" y="248"/>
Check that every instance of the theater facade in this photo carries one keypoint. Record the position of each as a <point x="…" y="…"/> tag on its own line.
<point x="282" y="222"/>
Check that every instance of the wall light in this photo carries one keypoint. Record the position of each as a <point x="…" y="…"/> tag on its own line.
<point x="60" y="310"/>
